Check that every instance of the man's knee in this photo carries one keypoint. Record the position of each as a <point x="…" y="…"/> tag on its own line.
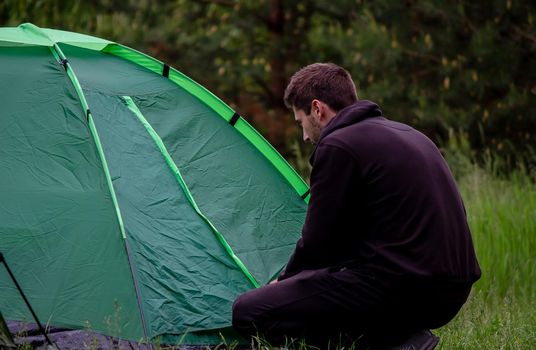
<point x="253" y="310"/>
<point x="242" y="313"/>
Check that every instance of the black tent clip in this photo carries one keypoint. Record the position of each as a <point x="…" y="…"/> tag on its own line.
<point x="165" y="71"/>
<point x="64" y="62"/>
<point x="234" y="119"/>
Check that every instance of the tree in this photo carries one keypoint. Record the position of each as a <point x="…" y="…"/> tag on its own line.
<point x="459" y="66"/>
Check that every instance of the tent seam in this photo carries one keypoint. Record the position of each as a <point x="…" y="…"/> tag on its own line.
<point x="205" y="92"/>
<point x="131" y="105"/>
<point x="58" y="53"/>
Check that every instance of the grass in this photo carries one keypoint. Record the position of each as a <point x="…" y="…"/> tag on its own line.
<point x="501" y="312"/>
<point x="501" y="209"/>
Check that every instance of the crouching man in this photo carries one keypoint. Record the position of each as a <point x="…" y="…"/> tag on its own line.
<point x="385" y="253"/>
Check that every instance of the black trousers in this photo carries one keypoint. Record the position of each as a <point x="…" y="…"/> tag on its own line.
<point x="335" y="305"/>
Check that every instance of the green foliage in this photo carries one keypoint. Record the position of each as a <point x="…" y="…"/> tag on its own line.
<point x="500" y="312"/>
<point x="465" y="66"/>
<point x="451" y="65"/>
<point x="501" y="216"/>
<point x="506" y="324"/>
<point x="462" y="72"/>
<point x="501" y="212"/>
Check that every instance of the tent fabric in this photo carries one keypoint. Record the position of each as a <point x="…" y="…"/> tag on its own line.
<point x="29" y="34"/>
<point x="168" y="273"/>
<point x="144" y="217"/>
<point x="176" y="172"/>
<point x="220" y="108"/>
<point x="57" y="222"/>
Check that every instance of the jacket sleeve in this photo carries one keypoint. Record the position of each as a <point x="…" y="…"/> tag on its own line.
<point x="334" y="180"/>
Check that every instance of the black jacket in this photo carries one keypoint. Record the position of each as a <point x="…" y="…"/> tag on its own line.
<point x="384" y="199"/>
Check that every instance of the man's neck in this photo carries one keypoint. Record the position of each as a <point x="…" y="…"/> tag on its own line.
<point x="330" y="114"/>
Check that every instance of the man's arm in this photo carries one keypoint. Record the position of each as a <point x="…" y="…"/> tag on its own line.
<point x="334" y="180"/>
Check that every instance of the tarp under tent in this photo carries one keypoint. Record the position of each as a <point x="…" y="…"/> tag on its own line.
<point x="6" y="339"/>
<point x="133" y="202"/>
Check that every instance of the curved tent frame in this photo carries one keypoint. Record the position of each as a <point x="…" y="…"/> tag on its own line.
<point x="30" y="35"/>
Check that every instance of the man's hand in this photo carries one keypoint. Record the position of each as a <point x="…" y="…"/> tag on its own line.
<point x="274" y="281"/>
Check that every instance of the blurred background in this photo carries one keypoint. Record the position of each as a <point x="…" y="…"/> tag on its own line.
<point x="462" y="72"/>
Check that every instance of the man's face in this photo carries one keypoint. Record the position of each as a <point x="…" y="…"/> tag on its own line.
<point x="311" y="127"/>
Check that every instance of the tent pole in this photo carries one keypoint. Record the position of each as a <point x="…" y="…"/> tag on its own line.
<point x="62" y="59"/>
<point x="41" y="329"/>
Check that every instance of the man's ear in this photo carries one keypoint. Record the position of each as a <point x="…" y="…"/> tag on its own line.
<point x="316" y="109"/>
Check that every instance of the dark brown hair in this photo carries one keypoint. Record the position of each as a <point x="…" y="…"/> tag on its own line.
<point x="326" y="82"/>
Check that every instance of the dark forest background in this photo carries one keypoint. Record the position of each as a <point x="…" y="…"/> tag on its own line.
<point x="463" y="72"/>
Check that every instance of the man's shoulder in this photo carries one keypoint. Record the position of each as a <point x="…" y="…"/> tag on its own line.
<point x="377" y="139"/>
<point x="372" y="130"/>
<point x="375" y="125"/>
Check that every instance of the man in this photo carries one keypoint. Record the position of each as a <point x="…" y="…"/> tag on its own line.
<point x="386" y="253"/>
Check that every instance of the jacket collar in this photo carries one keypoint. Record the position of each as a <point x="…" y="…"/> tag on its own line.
<point x="348" y="116"/>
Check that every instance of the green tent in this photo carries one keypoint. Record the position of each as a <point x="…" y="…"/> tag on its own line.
<point x="133" y="201"/>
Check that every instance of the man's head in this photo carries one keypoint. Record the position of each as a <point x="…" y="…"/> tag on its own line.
<point x="316" y="93"/>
